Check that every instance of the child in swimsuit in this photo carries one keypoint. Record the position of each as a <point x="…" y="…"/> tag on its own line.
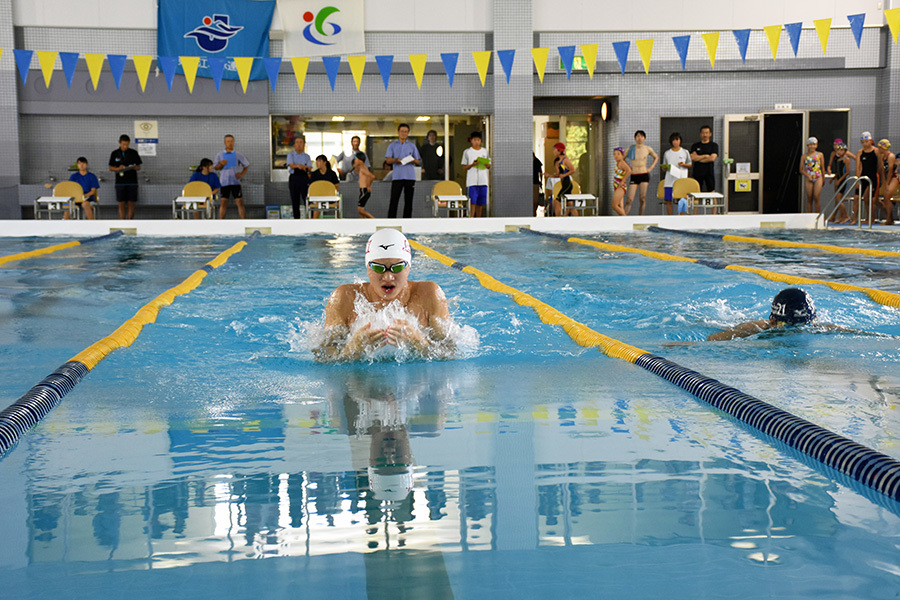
<point x="623" y="170"/>
<point x="812" y="168"/>
<point x="890" y="178"/>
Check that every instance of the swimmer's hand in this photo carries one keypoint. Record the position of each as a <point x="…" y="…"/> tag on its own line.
<point x="363" y="338"/>
<point x="401" y="331"/>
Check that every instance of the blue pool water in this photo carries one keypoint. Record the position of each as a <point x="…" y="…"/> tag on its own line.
<point x="537" y="468"/>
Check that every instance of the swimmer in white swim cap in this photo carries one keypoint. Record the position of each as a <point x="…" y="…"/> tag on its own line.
<point x="388" y="262"/>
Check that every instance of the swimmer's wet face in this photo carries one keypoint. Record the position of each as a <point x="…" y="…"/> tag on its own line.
<point x="389" y="284"/>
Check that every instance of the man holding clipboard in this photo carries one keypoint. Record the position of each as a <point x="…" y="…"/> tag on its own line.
<point x="228" y="162"/>
<point x="403" y="156"/>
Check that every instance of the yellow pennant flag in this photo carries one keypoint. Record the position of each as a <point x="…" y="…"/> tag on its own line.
<point x="94" y="64"/>
<point x="712" y="46"/>
<point x="243" y="64"/>
<point x="539" y="55"/>
<point x="892" y="16"/>
<point x="190" y="64"/>
<point x="645" y="47"/>
<point x="418" y="66"/>
<point x="773" y="33"/>
<point x="357" y="66"/>
<point x="142" y="66"/>
<point x="482" y="60"/>
<point x="823" y="28"/>
<point x="1" y="52"/>
<point x="301" y="65"/>
<point x="589" y="51"/>
<point x="47" y="59"/>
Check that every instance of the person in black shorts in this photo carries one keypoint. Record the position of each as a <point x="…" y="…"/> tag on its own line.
<point x="365" y="178"/>
<point x="703" y="156"/>
<point x="125" y="163"/>
<point x="868" y="164"/>
<point x="640" y="172"/>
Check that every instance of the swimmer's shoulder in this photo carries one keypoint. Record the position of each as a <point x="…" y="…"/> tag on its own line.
<point x="429" y="296"/>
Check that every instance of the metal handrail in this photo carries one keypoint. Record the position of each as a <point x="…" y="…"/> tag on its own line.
<point x="854" y="188"/>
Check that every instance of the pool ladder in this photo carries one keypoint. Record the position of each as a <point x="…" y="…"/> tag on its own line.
<point x="850" y="188"/>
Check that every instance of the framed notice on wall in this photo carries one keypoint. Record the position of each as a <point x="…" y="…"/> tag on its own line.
<point x="146" y="137"/>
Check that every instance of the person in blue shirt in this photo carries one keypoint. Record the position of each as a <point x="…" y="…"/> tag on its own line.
<point x="403" y="156"/>
<point x="204" y="173"/>
<point x="89" y="183"/>
<point x="299" y="165"/>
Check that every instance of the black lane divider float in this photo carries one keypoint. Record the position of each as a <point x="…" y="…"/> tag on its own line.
<point x="34" y="405"/>
<point x="50" y="249"/>
<point x="876" y="471"/>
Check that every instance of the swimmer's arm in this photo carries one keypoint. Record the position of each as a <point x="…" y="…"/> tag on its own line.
<point x="336" y="345"/>
<point x="655" y="157"/>
<point x="739" y="331"/>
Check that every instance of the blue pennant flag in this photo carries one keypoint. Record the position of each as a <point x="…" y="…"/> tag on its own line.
<point x="385" y="64"/>
<point x="567" y="55"/>
<point x="506" y="60"/>
<point x="794" y="30"/>
<point x="169" y="65"/>
<point x="450" y="59"/>
<point x="215" y="28"/>
<point x="621" y="49"/>
<point x="69" y="64"/>
<point x="681" y="46"/>
<point x="332" y="64"/>
<point x="117" y="66"/>
<point x="856" y="26"/>
<point x="217" y="69"/>
<point x="273" y="66"/>
<point x="742" y="37"/>
<point x="23" y="61"/>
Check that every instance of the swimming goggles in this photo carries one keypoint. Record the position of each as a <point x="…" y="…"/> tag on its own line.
<point x="394" y="268"/>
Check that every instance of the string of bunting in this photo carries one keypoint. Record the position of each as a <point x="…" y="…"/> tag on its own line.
<point x="169" y="65"/>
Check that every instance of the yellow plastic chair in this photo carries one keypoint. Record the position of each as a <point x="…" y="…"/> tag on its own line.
<point x="448" y="196"/>
<point x="196" y="197"/>
<point x="661" y="191"/>
<point x="324" y="198"/>
<point x="575" y="200"/>
<point x="67" y="198"/>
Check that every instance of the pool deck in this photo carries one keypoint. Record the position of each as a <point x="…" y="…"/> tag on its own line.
<point x="237" y="227"/>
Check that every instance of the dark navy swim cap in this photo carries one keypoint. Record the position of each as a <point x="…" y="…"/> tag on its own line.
<point x="793" y="306"/>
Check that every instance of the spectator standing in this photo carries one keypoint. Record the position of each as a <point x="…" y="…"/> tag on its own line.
<point x="703" y="157"/>
<point x="233" y="166"/>
<point x="676" y="161"/>
<point x="403" y="156"/>
<point x="125" y="163"/>
<point x="299" y="165"/>
<point x="345" y="160"/>
<point x="432" y="157"/>
<point x="476" y="162"/>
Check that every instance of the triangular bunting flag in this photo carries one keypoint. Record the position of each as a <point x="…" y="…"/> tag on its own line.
<point x="506" y="61"/>
<point x="482" y="60"/>
<point x="117" y="66"/>
<point x="712" y="46"/>
<point x="794" y="30"/>
<point x="742" y="37"/>
<point x="142" y="67"/>
<point x="217" y="69"/>
<point x="357" y="67"/>
<point x="1" y="52"/>
<point x="856" y="26"/>
<point x="681" y="46"/>
<point x="273" y="66"/>
<point x="385" y="64"/>
<point x="823" y="29"/>
<point x="332" y="65"/>
<point x="69" y="62"/>
<point x="47" y="60"/>
<point x="773" y="34"/>
<point x="23" y="62"/>
<point x="417" y="62"/>
<point x="167" y="65"/>
<point x="95" y="65"/>
<point x="189" y="65"/>
<point x="567" y="56"/>
<point x="621" y="50"/>
<point x="892" y="16"/>
<point x="243" y="64"/>
<point x="645" y="48"/>
<point x="450" y="59"/>
<point x="589" y="51"/>
<point x="301" y="66"/>
<point x="539" y="55"/>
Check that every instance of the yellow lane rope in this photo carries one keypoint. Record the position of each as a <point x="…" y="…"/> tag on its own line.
<point x="824" y="247"/>
<point x="130" y="329"/>
<point x="580" y="333"/>
<point x="39" y="252"/>
<point x="879" y="296"/>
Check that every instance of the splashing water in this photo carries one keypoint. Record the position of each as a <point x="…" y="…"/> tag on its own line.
<point x="458" y="341"/>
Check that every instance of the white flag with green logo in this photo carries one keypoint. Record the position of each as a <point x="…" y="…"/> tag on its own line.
<point x="322" y="28"/>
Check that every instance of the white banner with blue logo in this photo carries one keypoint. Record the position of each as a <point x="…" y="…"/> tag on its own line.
<point x="323" y="27"/>
<point x="216" y="29"/>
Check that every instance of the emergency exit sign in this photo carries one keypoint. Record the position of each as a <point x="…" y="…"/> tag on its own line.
<point x="578" y="64"/>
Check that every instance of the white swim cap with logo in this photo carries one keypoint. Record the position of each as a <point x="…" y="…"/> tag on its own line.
<point x="388" y="243"/>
